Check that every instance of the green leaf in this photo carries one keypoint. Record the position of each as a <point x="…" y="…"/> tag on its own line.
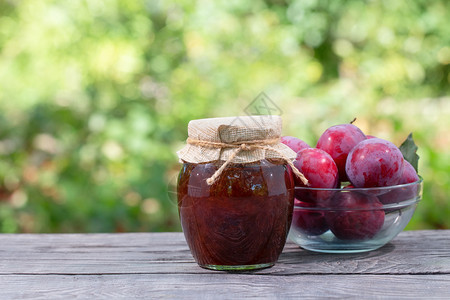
<point x="409" y="151"/>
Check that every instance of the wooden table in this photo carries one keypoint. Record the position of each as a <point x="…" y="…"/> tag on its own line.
<point x="159" y="265"/>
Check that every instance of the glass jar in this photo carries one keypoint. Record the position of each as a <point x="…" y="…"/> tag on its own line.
<point x="241" y="221"/>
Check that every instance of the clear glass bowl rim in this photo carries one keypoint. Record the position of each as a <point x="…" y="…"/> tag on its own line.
<point x="401" y="204"/>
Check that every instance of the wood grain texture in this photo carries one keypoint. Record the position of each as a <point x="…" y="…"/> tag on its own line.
<point x="224" y="286"/>
<point x="159" y="265"/>
<point x="412" y="252"/>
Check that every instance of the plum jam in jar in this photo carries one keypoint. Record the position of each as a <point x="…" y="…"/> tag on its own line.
<point x="236" y="192"/>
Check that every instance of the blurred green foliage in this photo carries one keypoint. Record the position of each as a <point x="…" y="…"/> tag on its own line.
<point x="95" y="96"/>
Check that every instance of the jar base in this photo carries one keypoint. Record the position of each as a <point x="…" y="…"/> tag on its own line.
<point x="237" y="267"/>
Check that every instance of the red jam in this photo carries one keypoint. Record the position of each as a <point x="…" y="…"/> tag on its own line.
<point x="242" y="219"/>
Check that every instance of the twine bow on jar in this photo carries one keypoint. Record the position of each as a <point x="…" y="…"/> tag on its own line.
<point x="266" y="144"/>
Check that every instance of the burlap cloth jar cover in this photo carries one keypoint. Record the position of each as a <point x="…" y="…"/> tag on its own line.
<point x="244" y="139"/>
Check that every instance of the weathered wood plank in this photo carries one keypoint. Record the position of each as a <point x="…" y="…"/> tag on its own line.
<point x="412" y="252"/>
<point x="220" y="286"/>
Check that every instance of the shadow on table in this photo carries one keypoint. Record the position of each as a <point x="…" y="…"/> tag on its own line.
<point x="296" y="254"/>
<point x="295" y="259"/>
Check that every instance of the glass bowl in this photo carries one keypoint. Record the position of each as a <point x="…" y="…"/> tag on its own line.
<point x="350" y="220"/>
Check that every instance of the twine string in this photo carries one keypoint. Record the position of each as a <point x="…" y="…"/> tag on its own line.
<point x="245" y="146"/>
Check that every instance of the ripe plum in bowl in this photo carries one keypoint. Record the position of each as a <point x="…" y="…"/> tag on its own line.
<point x="353" y="219"/>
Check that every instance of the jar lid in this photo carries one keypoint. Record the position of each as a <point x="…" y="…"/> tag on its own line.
<point x="217" y="139"/>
